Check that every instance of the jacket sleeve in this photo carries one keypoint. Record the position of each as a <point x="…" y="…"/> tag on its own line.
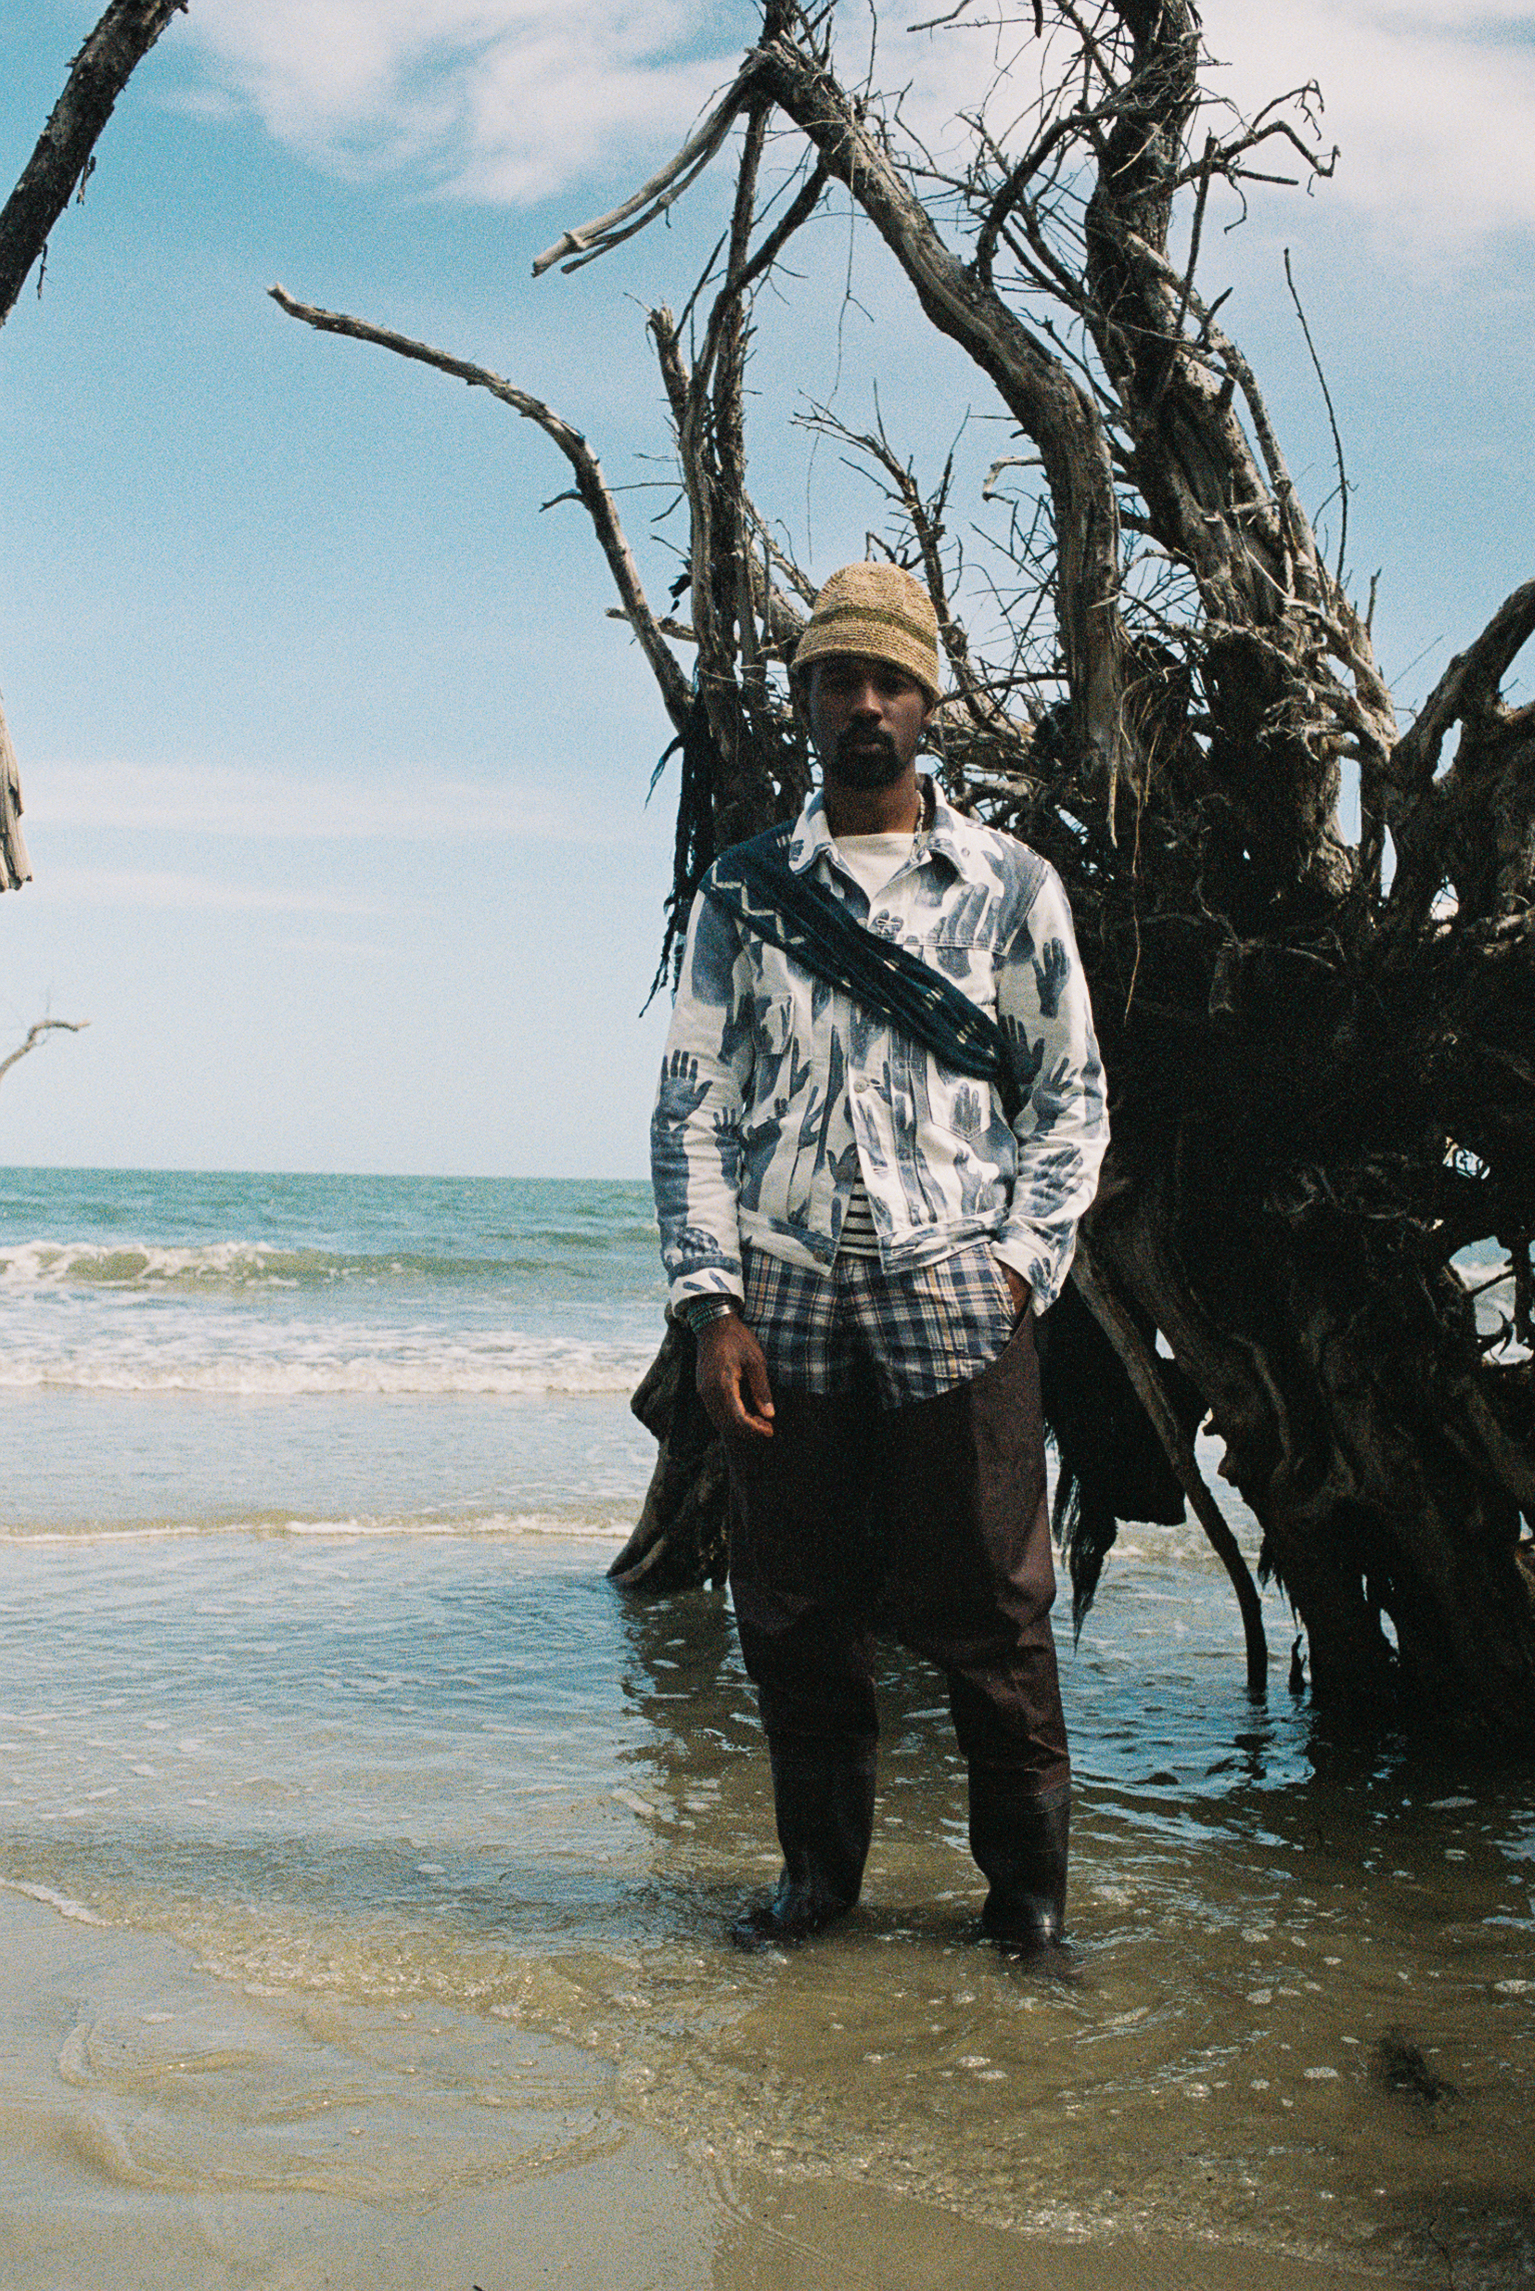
<point x="695" y="1130"/>
<point x="1062" y="1126"/>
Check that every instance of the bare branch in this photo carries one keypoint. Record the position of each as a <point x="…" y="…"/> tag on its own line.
<point x="1017" y="182"/>
<point x="591" y="486"/>
<point x="35" y="1035"/>
<point x="1297" y="531"/>
<point x="798" y="213"/>
<point x="589" y="240"/>
<point x="989" y="486"/>
<point x="62" y="159"/>
<point x="663" y="330"/>
<point x="1226" y="155"/>
<point x="1034" y="385"/>
<point x="680" y="631"/>
<point x="1469" y="685"/>
<point x="1337" y="442"/>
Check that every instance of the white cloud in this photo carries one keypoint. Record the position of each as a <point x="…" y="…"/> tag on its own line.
<point x="508" y="101"/>
<point x="1430" y="101"/>
<point x="134" y="887"/>
<point x="178" y="799"/>
<point x="1431" y="104"/>
<point x="501" y="100"/>
<point x="340" y="950"/>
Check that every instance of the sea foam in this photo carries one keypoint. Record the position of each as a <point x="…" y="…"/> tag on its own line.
<point x="298" y="1362"/>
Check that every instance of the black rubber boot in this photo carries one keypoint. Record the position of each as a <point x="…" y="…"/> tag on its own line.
<point x="1019" y="1841"/>
<point x="823" y="1797"/>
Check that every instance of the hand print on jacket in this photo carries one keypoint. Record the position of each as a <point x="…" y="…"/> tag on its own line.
<point x="1051" y="975"/>
<point x="776" y="1091"/>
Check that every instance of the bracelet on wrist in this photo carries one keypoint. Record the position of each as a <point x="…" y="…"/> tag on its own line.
<point x="698" y="1312"/>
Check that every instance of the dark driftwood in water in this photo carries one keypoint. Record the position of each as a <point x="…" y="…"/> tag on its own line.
<point x="1322" y="1080"/>
<point x="1322" y="1085"/>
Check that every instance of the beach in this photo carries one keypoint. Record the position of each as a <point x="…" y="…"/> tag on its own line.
<point x="365" y="1858"/>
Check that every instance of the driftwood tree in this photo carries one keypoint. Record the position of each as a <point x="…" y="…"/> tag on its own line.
<point x="57" y="172"/>
<point x="1320" y="1049"/>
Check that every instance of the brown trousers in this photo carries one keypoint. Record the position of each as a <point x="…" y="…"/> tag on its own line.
<point x="931" y="1516"/>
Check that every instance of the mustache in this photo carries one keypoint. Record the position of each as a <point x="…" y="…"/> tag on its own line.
<point x="858" y="740"/>
<point x="872" y="767"/>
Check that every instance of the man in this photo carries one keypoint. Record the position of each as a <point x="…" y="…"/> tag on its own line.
<point x="860" y="1217"/>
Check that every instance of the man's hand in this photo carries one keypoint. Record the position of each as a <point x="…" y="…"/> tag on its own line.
<point x="733" y="1379"/>
<point x="1018" y="1289"/>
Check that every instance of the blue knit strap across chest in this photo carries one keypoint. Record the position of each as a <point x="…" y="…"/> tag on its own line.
<point x="756" y="886"/>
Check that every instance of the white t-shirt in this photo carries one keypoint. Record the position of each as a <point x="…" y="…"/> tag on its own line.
<point x="872" y="860"/>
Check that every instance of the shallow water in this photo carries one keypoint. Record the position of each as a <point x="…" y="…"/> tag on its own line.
<point x="365" y="1859"/>
<point x="427" y="1810"/>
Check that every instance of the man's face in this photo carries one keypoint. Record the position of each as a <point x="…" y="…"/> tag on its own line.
<point x="867" y="718"/>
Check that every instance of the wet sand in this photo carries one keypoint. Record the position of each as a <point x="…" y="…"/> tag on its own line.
<point x="136" y="2153"/>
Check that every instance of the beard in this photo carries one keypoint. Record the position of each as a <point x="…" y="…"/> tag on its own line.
<point x="872" y="765"/>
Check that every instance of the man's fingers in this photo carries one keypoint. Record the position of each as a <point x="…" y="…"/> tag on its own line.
<point x="757" y="1382"/>
<point x="758" y="1411"/>
<point x="722" y="1403"/>
<point x="733" y="1380"/>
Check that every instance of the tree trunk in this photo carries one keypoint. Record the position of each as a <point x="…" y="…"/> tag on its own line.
<point x="15" y="866"/>
<point x="1322" y="1082"/>
<point x="1348" y="1433"/>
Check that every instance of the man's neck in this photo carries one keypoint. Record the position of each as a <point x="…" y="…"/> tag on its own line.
<point x="893" y="810"/>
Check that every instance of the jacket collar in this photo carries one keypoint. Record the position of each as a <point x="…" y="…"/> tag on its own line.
<point x="946" y="839"/>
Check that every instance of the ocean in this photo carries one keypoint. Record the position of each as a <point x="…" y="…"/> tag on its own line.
<point x="365" y="1857"/>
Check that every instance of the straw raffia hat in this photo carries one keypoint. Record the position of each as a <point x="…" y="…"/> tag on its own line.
<point x="880" y="613"/>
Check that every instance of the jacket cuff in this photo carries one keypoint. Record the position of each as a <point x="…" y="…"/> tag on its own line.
<point x="713" y="1282"/>
<point x="1021" y="1252"/>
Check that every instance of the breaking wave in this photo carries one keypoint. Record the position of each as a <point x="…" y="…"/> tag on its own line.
<point x="241" y="1266"/>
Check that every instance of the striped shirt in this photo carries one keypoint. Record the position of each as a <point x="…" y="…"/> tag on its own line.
<point x="872" y="861"/>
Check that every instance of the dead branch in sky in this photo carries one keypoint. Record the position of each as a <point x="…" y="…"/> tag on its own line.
<point x="62" y="160"/>
<point x="56" y="172"/>
<point x="35" y="1035"/>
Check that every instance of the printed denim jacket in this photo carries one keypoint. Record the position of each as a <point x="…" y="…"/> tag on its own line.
<point x="777" y="1090"/>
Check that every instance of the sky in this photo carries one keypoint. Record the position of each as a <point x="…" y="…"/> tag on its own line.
<point x="334" y="765"/>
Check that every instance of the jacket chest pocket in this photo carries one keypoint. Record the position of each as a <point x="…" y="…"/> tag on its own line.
<point x="967" y="958"/>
